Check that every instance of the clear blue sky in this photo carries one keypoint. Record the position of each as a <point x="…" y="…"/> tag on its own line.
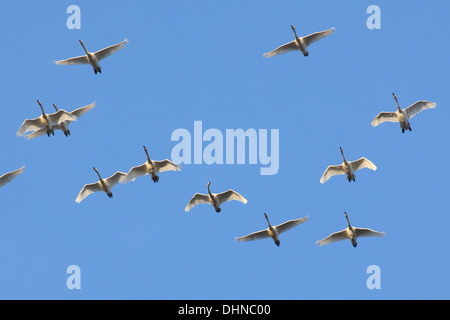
<point x="200" y="60"/>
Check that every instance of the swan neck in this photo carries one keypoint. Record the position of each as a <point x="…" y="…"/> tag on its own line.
<point x="148" y="157"/>
<point x="82" y="44"/>
<point x="56" y="108"/>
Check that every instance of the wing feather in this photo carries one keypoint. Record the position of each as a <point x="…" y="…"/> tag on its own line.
<point x="290" y="224"/>
<point x="102" y="54"/>
<point x="332" y="171"/>
<point x="281" y="49"/>
<point x="75" y="60"/>
<point x="136" y="172"/>
<point x="230" y="195"/>
<point x="317" y="36"/>
<point x="337" y="236"/>
<point x="362" y="163"/>
<point x="197" y="199"/>
<point x="166" y="165"/>
<point x="384" y="117"/>
<point x="87" y="190"/>
<point x="418" y="106"/>
<point x="254" y="236"/>
<point x="8" y="177"/>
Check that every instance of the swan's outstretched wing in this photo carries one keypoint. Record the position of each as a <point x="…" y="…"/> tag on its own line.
<point x="61" y="116"/>
<point x="80" y="111"/>
<point x="332" y="171"/>
<point x="76" y="60"/>
<point x="42" y="132"/>
<point x="383" y="117"/>
<point x="166" y="165"/>
<point x="102" y="54"/>
<point x="290" y="224"/>
<point x="135" y="172"/>
<point x="418" y="106"/>
<point x="197" y="199"/>
<point x="115" y="178"/>
<point x="317" y="36"/>
<point x="29" y="125"/>
<point x="281" y="49"/>
<point x="365" y="232"/>
<point x="362" y="163"/>
<point x="7" y="177"/>
<point x="87" y="190"/>
<point x="230" y="195"/>
<point x="254" y="236"/>
<point x="337" y="236"/>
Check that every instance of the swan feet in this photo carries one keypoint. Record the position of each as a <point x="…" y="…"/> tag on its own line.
<point x="306" y="53"/>
<point x="155" y="179"/>
<point x="98" y="70"/>
<point x="277" y="243"/>
<point x="67" y="133"/>
<point x="218" y="209"/>
<point x="110" y="194"/>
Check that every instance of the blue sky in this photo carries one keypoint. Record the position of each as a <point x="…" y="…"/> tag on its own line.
<point x="202" y="61"/>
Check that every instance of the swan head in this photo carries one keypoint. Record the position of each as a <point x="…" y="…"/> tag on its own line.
<point x="292" y="27"/>
<point x="95" y="169"/>
<point x="209" y="183"/>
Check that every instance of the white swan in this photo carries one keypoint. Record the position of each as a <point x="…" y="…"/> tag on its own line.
<point x="216" y="199"/>
<point x="102" y="185"/>
<point x="351" y="233"/>
<point x="403" y="115"/>
<point x="93" y="58"/>
<point x="273" y="231"/>
<point x="64" y="125"/>
<point x="45" y="122"/>
<point x="7" y="177"/>
<point x="299" y="43"/>
<point x="347" y="168"/>
<point x="152" y="168"/>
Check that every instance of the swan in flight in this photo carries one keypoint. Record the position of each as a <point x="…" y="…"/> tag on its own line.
<point x="102" y="185"/>
<point x="152" y="168"/>
<point x="216" y="199"/>
<point x="64" y="125"/>
<point x="299" y="43"/>
<point x="351" y="233"/>
<point x="8" y="177"/>
<point x="403" y="115"/>
<point x="93" y="58"/>
<point x="45" y="122"/>
<point x="273" y="231"/>
<point x="347" y="168"/>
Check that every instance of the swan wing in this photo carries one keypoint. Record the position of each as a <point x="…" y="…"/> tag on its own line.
<point x="41" y="132"/>
<point x="135" y="172"/>
<point x="362" y="163"/>
<point x="80" y="111"/>
<point x="337" y="236"/>
<point x="332" y="171"/>
<point x="102" y="54"/>
<point x="166" y="165"/>
<point x="365" y="232"/>
<point x="418" y="106"/>
<point x="61" y="116"/>
<point x="7" y="177"/>
<point x="87" y="190"/>
<point x="317" y="36"/>
<point x="30" y="125"/>
<point x="281" y="49"/>
<point x="384" y="117"/>
<point x="115" y="178"/>
<point x="254" y="236"/>
<point x="197" y="199"/>
<point x="76" y="60"/>
<point x="290" y="224"/>
<point x="230" y="195"/>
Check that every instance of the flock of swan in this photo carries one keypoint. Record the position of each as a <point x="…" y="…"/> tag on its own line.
<point x="60" y="120"/>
